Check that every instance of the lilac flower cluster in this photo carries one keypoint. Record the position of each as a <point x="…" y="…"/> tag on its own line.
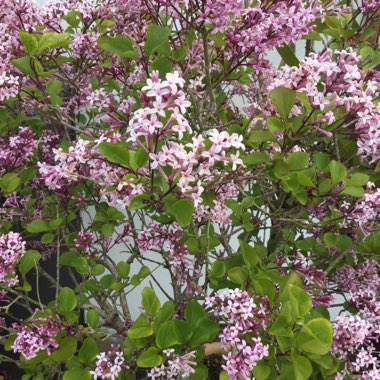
<point x="175" y="367"/>
<point x="190" y="163"/>
<point x="109" y="365"/>
<point x="333" y="79"/>
<point x="241" y="315"/>
<point x="260" y="27"/>
<point x="17" y="150"/>
<point x="355" y="336"/>
<point x="12" y="247"/>
<point x="85" y="240"/>
<point x="367" y="209"/>
<point x="83" y="161"/>
<point x="38" y="334"/>
<point x="219" y="213"/>
<point x="363" y="285"/>
<point x="157" y="238"/>
<point x="371" y="6"/>
<point x="354" y="339"/>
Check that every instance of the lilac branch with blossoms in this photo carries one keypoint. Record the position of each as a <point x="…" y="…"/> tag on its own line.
<point x="153" y="147"/>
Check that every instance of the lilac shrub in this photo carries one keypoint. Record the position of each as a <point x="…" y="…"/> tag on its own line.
<point x="162" y="130"/>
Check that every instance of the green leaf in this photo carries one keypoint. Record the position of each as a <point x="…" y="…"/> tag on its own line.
<point x="261" y="371"/>
<point x="108" y="229"/>
<point x="157" y="40"/>
<point x="123" y="269"/>
<point x="150" y="358"/>
<point x="77" y="374"/>
<point x="67" y="348"/>
<point x="28" y="261"/>
<point x="92" y="318"/>
<point x="23" y="64"/>
<point x="52" y="40"/>
<point x="264" y="287"/>
<point x="287" y="55"/>
<point x="29" y="42"/>
<point x="163" y="65"/>
<point x="353" y="191"/>
<point x="136" y="332"/>
<point x="201" y="373"/>
<point x="316" y="336"/>
<point x="167" y="311"/>
<point x="304" y="180"/>
<point x="299" y="368"/>
<point x="338" y="172"/>
<point x="167" y="335"/>
<point x="283" y="99"/>
<point x="275" y="124"/>
<point x="38" y="225"/>
<point x="194" y="312"/>
<point x="280" y="327"/>
<point x="89" y="350"/>
<point x="255" y="158"/>
<point x="47" y="238"/>
<point x="218" y="269"/>
<point x="298" y="160"/>
<point x="139" y="201"/>
<point x="53" y="87"/>
<point x="150" y="301"/>
<point x="260" y="136"/>
<point x="205" y="331"/>
<point x="359" y="179"/>
<point x="117" y="153"/>
<point x="250" y="255"/>
<point x="183" y="210"/>
<point x="10" y="182"/>
<point x="67" y="299"/>
<point x="238" y="275"/>
<point x="300" y="300"/>
<point x="120" y="45"/>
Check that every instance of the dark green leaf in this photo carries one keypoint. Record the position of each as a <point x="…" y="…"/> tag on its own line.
<point x="67" y="348"/>
<point x="92" y="318"/>
<point x="288" y="56"/>
<point x="67" y="299"/>
<point x="28" y="261"/>
<point x="120" y="45"/>
<point x="89" y="350"/>
<point x="157" y="40"/>
<point x="150" y="358"/>
<point x="150" y="301"/>
<point x="283" y="99"/>
<point x="117" y="153"/>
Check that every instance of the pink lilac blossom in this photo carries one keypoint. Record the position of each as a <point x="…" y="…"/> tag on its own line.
<point x="356" y="335"/>
<point x="12" y="247"/>
<point x="17" y="150"/>
<point x="367" y="210"/>
<point x="241" y="314"/>
<point x="85" y="46"/>
<point x="38" y="334"/>
<point x="83" y="161"/>
<point x="175" y="367"/>
<point x="371" y="6"/>
<point x="85" y="240"/>
<point x="353" y="343"/>
<point x="331" y="80"/>
<point x="269" y="24"/>
<point x="109" y="365"/>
